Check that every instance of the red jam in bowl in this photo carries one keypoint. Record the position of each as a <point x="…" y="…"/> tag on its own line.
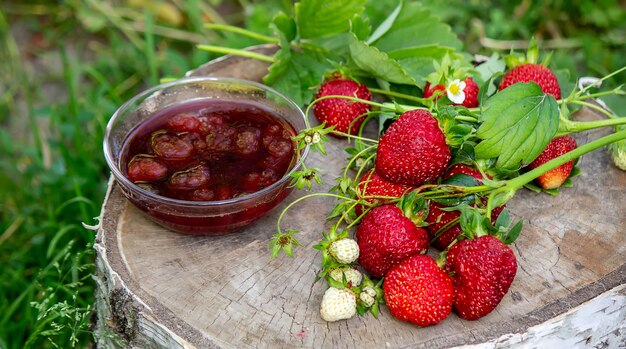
<point x="210" y="150"/>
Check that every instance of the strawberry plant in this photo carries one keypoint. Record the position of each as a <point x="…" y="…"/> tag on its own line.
<point x="457" y="138"/>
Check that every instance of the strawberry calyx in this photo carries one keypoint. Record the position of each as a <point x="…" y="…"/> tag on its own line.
<point x="531" y="56"/>
<point x="414" y="208"/>
<point x="284" y="242"/>
<point x="449" y="69"/>
<point x="324" y="246"/>
<point x="457" y="124"/>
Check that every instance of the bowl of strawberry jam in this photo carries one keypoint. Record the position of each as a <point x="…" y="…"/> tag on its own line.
<point x="205" y="155"/>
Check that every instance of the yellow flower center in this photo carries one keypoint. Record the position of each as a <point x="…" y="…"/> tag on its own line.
<point x="454" y="89"/>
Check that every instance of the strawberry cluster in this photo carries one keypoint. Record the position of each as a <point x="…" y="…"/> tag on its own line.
<point x="393" y="239"/>
<point x="430" y="227"/>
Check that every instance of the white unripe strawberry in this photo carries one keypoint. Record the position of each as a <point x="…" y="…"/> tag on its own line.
<point x="338" y="304"/>
<point x="344" y="251"/>
<point x="368" y="296"/>
<point x="353" y="276"/>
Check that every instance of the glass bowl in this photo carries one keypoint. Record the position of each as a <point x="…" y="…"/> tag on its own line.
<point x="199" y="217"/>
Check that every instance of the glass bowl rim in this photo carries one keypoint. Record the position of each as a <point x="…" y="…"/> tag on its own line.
<point x="182" y="81"/>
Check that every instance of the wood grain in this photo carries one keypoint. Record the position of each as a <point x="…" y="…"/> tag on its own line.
<point x="162" y="289"/>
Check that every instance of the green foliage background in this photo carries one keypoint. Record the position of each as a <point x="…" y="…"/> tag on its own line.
<point x="67" y="65"/>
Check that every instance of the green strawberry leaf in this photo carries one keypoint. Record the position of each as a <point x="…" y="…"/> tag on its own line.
<point x="294" y="73"/>
<point x="617" y="103"/>
<point x="416" y="26"/>
<point x="576" y="171"/>
<point x="377" y="63"/>
<point x="456" y="132"/>
<point x="319" y="18"/>
<point x="386" y="24"/>
<point x="489" y="68"/>
<point x="384" y="121"/>
<point x="533" y="187"/>
<point x="361" y="27"/>
<point x="334" y="283"/>
<point x="334" y="47"/>
<point x="566" y="85"/>
<point x="486" y="75"/>
<point x="464" y="155"/>
<point x="517" y="124"/>
<point x="374" y="309"/>
<point x="504" y="219"/>
<point x="473" y="224"/>
<point x="285" y="25"/>
<point x="414" y="208"/>
<point x="339" y="210"/>
<point x="487" y="89"/>
<point x="512" y="234"/>
<point x="361" y="309"/>
<point x="418" y="60"/>
<point x="459" y="180"/>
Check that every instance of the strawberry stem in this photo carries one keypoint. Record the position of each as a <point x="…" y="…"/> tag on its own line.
<point x="598" y="94"/>
<point x="588" y="87"/>
<point x="282" y="214"/>
<point x="237" y="52"/>
<point x="354" y="99"/>
<point x="466" y="118"/>
<point x="241" y="31"/>
<point x="597" y="108"/>
<point x="307" y="112"/>
<point x="398" y="95"/>
<point x="347" y="135"/>
<point x="401" y="108"/>
<point x="568" y="126"/>
<point x="355" y="157"/>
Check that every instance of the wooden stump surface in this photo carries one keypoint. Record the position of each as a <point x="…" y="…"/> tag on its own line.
<point x="157" y="288"/>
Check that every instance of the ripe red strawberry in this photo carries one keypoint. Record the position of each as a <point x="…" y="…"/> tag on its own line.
<point x="471" y="92"/>
<point x="440" y="230"/>
<point x="484" y="269"/>
<point x="533" y="72"/>
<point x="437" y="219"/>
<point x="371" y="184"/>
<point x="386" y="237"/>
<point x="413" y="150"/>
<point x="418" y="291"/>
<point x="462" y="169"/>
<point x="346" y="115"/>
<point x="555" y="177"/>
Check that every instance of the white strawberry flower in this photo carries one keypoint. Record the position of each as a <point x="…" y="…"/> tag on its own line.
<point x="456" y="91"/>
<point x="344" y="251"/>
<point x="353" y="276"/>
<point x="338" y="304"/>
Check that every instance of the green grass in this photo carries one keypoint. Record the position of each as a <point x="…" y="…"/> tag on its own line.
<point x="52" y="174"/>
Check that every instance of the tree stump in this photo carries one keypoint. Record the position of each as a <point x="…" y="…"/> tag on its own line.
<point x="160" y="289"/>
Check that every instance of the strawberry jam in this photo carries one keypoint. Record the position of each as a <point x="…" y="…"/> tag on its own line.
<point x="209" y="150"/>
